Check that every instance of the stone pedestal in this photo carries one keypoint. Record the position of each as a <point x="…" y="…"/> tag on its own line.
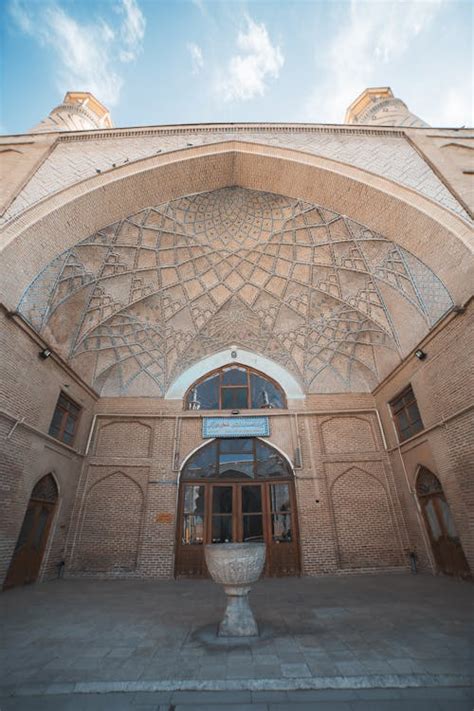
<point x="236" y="566"/>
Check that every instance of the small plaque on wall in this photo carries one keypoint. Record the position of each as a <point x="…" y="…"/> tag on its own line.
<point x="164" y="518"/>
<point x="235" y="427"/>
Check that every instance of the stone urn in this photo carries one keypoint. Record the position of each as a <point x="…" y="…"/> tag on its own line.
<point x="236" y="566"/>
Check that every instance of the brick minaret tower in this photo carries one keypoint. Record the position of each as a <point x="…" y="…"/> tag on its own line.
<point x="79" y="111"/>
<point x="378" y="106"/>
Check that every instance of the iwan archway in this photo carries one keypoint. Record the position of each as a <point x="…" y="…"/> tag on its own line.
<point x="237" y="490"/>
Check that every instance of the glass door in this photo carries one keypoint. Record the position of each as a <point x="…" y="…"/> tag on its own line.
<point x="251" y="507"/>
<point x="222" y="519"/>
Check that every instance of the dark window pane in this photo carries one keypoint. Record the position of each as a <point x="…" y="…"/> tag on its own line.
<point x="222" y="529"/>
<point x="193" y="529"/>
<point x="427" y="483"/>
<point x="270" y="463"/>
<point x="253" y="528"/>
<point x="239" y="444"/>
<point x="234" y="376"/>
<point x="264" y="393"/>
<point x="205" y="396"/>
<point x="406" y="414"/>
<point x="234" y="398"/>
<point x="251" y="499"/>
<point x="70" y="424"/>
<point x="413" y="412"/>
<point x="56" y="422"/>
<point x="402" y="420"/>
<point x="416" y="427"/>
<point x="202" y="465"/>
<point x="64" y="420"/>
<point x="234" y="465"/>
<point x="279" y="497"/>
<point x="63" y="402"/>
<point x="281" y="528"/>
<point x="67" y="438"/>
<point x="194" y="499"/>
<point x="222" y="500"/>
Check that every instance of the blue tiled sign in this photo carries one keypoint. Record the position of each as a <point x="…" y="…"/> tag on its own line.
<point x="235" y="427"/>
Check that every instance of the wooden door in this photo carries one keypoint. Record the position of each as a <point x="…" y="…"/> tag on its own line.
<point x="445" y="542"/>
<point x="232" y="511"/>
<point x="281" y="533"/>
<point x="31" y="544"/>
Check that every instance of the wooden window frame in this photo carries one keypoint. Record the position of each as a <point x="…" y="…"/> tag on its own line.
<point x="249" y="371"/>
<point x="65" y="414"/>
<point x="398" y="405"/>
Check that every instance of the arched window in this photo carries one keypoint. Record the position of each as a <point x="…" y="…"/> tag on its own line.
<point x="235" y="387"/>
<point x="238" y="458"/>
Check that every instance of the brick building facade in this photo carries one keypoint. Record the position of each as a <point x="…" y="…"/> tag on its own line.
<point x="336" y="261"/>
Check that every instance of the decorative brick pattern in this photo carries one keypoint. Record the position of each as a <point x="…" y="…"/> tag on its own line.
<point x="171" y="284"/>
<point x="111" y="524"/>
<point x="355" y="432"/>
<point x="364" y="529"/>
<point x="386" y="154"/>
<point x="124" y="439"/>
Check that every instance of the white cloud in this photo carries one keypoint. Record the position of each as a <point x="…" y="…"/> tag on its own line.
<point x="132" y="31"/>
<point x="456" y="107"/>
<point x="89" y="54"/>
<point x="21" y="17"/>
<point x="376" y="33"/>
<point x="197" y="59"/>
<point x="200" y="5"/>
<point x="248" y="72"/>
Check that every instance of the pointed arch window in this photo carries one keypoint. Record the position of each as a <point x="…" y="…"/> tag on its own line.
<point x="235" y="387"/>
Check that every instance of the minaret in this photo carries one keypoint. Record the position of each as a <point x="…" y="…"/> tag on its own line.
<point x="378" y="106"/>
<point x="80" y="111"/>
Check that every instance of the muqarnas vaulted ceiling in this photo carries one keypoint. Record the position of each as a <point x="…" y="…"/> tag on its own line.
<point x="134" y="305"/>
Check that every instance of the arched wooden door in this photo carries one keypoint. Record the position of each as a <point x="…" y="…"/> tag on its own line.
<point x="29" y="551"/>
<point x="445" y="543"/>
<point x="237" y="490"/>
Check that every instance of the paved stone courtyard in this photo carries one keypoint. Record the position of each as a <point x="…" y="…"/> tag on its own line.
<point x="330" y="642"/>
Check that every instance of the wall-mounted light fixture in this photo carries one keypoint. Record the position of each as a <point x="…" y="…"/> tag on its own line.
<point x="421" y="355"/>
<point x="235" y="412"/>
<point x="45" y="353"/>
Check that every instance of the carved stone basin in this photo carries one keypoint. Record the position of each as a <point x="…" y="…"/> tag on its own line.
<point x="236" y="566"/>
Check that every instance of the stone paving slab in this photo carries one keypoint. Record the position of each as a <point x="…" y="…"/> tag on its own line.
<point x="342" y="632"/>
<point x="453" y="699"/>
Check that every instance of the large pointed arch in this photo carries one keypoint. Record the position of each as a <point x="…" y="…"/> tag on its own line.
<point x="338" y="340"/>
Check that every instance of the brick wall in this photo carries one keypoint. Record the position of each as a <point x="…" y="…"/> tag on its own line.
<point x="443" y="384"/>
<point x="29" y="389"/>
<point x="331" y="446"/>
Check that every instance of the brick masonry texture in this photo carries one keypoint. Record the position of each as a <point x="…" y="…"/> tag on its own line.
<point x="137" y="279"/>
<point x="389" y="155"/>
<point x="111" y="540"/>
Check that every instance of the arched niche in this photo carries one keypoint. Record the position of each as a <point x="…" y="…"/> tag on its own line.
<point x="238" y="490"/>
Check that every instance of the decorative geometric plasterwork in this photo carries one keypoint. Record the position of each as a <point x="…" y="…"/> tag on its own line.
<point x="134" y="305"/>
<point x="387" y="154"/>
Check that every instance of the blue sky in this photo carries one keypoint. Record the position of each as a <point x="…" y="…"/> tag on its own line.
<point x="187" y="61"/>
